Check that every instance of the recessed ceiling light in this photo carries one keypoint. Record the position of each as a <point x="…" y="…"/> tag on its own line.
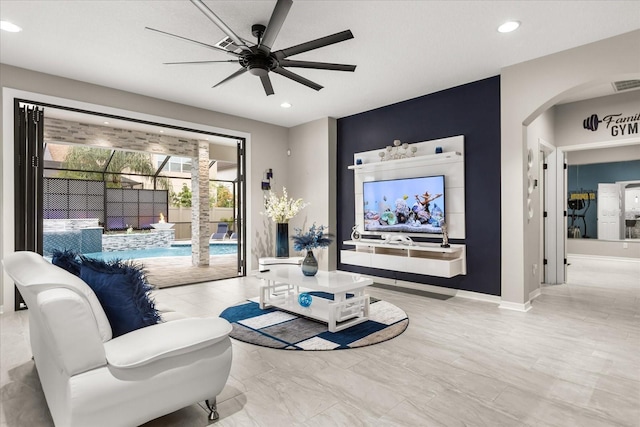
<point x="285" y="105"/>
<point x="509" y="26"/>
<point x="10" y="27"/>
<point x="161" y="131"/>
<point x="106" y="123"/>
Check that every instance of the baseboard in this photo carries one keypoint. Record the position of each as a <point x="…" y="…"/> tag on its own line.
<point x="435" y="289"/>
<point x="535" y="294"/>
<point x="515" y="306"/>
<point x="602" y="258"/>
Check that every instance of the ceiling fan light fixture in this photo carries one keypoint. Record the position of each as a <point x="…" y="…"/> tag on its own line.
<point x="10" y="27"/>
<point x="258" y="71"/>
<point x="508" y="26"/>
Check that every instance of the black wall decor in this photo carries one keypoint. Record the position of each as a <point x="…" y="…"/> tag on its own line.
<point x="472" y="110"/>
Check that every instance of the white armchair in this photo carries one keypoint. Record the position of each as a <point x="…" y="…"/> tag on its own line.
<point x="92" y="379"/>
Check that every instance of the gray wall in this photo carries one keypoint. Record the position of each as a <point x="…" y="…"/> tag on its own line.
<point x="527" y="90"/>
<point x="570" y="134"/>
<point x="540" y="128"/>
<point x="569" y="119"/>
<point x="312" y="169"/>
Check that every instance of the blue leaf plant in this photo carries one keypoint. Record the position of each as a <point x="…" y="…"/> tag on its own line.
<point x="315" y="237"/>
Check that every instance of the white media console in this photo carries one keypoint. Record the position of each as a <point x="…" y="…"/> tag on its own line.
<point x="420" y="258"/>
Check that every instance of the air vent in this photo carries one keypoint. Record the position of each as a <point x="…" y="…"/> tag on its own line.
<point x="626" y="85"/>
<point x="227" y="44"/>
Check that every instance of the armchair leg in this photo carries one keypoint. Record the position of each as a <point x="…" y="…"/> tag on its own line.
<point x="212" y="405"/>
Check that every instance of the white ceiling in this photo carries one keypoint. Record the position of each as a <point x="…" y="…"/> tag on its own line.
<point x="402" y="49"/>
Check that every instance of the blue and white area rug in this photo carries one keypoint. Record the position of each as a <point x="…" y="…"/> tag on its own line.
<point x="279" y="329"/>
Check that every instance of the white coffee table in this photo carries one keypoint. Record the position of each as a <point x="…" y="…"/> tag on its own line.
<point x="283" y="284"/>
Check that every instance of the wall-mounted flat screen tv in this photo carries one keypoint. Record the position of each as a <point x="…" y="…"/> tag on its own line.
<point x="408" y="205"/>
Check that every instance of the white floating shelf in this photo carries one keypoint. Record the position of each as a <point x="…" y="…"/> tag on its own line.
<point x="420" y="258"/>
<point x="431" y="158"/>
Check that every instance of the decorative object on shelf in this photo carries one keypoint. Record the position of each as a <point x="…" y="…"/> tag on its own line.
<point x="355" y="234"/>
<point x="395" y="239"/>
<point x="282" y="240"/>
<point x="314" y="238"/>
<point x="281" y="210"/>
<point x="399" y="150"/>
<point x="445" y="235"/>
<point x="309" y="264"/>
<point x="305" y="299"/>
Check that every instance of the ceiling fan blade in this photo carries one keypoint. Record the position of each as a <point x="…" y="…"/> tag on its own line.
<point x="266" y="84"/>
<point x="198" y="62"/>
<point x="232" y="76"/>
<point x="214" y="18"/>
<point x="278" y="16"/>
<point x="314" y="44"/>
<point x="191" y="41"/>
<point x="295" y="77"/>
<point x="317" y="65"/>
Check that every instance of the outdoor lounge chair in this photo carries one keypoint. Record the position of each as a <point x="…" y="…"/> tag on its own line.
<point x="221" y="232"/>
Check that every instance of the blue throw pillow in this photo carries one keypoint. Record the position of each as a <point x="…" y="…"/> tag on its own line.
<point x="66" y="259"/>
<point x="123" y="293"/>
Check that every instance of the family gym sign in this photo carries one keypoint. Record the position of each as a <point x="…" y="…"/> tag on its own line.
<point x="618" y="124"/>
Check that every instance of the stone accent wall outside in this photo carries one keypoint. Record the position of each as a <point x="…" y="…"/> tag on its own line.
<point x="64" y="131"/>
<point x="68" y="224"/>
<point x="137" y="241"/>
<point x="200" y="206"/>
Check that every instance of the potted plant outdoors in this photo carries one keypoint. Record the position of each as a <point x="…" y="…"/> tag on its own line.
<point x="281" y="210"/>
<point x="315" y="237"/>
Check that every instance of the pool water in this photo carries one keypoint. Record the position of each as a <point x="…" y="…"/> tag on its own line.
<point x="176" y="250"/>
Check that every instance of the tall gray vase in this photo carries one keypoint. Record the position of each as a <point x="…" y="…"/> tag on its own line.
<point x="282" y="240"/>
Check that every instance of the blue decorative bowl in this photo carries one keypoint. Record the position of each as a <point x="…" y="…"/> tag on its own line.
<point x="304" y="299"/>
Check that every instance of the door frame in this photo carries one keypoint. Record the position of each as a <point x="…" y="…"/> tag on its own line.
<point x="7" y="215"/>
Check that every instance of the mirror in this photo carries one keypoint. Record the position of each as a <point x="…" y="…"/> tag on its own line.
<point x="603" y="198"/>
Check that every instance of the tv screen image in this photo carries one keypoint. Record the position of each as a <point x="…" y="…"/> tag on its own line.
<point x="408" y="205"/>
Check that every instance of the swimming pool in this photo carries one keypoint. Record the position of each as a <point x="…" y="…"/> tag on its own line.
<point x="174" y="250"/>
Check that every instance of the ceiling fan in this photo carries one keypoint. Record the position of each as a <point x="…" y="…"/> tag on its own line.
<point x="258" y="59"/>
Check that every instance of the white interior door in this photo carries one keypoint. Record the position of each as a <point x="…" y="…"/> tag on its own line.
<point x="608" y="211"/>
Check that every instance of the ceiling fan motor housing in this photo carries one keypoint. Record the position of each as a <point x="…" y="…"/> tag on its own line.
<point x="258" y="64"/>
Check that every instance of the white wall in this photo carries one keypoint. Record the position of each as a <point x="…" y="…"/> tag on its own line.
<point x="528" y="89"/>
<point x="312" y="172"/>
<point x="267" y="143"/>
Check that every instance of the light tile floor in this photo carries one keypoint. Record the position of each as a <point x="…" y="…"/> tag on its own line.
<point x="573" y="360"/>
<point x="176" y="271"/>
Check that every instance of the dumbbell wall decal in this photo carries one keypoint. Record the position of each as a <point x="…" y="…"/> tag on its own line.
<point x="591" y="123"/>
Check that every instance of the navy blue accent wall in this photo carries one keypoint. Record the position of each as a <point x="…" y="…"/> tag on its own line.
<point x="472" y="110"/>
<point x="583" y="178"/>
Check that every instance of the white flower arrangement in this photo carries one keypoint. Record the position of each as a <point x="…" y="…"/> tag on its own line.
<point x="282" y="209"/>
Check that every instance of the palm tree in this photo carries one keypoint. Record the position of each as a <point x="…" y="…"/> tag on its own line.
<point x="89" y="163"/>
